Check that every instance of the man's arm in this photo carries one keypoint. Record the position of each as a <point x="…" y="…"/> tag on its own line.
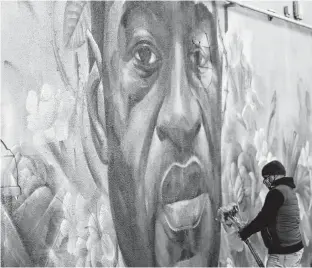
<point x="273" y="201"/>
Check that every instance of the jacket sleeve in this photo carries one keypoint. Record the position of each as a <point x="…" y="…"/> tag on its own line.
<point x="273" y="201"/>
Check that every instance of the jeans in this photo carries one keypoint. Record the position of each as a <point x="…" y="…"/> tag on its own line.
<point x="285" y="260"/>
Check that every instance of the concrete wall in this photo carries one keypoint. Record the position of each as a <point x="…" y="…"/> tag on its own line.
<point x="266" y="111"/>
<point x="267" y="98"/>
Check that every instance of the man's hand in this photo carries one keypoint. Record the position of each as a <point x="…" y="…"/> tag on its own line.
<point x="243" y="233"/>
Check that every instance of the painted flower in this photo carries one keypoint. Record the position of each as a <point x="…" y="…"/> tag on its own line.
<point x="229" y="262"/>
<point x="234" y="47"/>
<point x="68" y="225"/>
<point x="49" y="114"/>
<point x="303" y="181"/>
<point x="263" y="155"/>
<point x="102" y="243"/>
<point x="88" y="231"/>
<point x="240" y="184"/>
<point x="297" y="162"/>
<point x="305" y="158"/>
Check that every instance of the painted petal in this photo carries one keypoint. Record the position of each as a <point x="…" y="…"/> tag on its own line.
<point x="109" y="247"/>
<point x="81" y="262"/>
<point x="235" y="242"/>
<point x="307" y="147"/>
<point x="253" y="188"/>
<point x="61" y="130"/>
<point x="49" y="134"/>
<point x="310" y="161"/>
<point x="238" y="190"/>
<point x="39" y="138"/>
<point x="264" y="148"/>
<point x="96" y="255"/>
<point x="81" y="247"/>
<point x="32" y="102"/>
<point x="105" y="218"/>
<point x="66" y="107"/>
<point x="88" y="260"/>
<point x="256" y="140"/>
<point x="229" y="262"/>
<point x="65" y="226"/>
<point x="301" y="207"/>
<point x="306" y="229"/>
<point x="71" y="245"/>
<point x="93" y="228"/>
<point x="67" y="205"/>
<point x="47" y="92"/>
<point x="262" y="194"/>
<point x="89" y="243"/>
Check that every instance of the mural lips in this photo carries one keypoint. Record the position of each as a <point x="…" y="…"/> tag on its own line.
<point x="184" y="195"/>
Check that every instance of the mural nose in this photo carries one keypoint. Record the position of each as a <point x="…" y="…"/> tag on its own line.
<point x="179" y="131"/>
<point x="180" y="119"/>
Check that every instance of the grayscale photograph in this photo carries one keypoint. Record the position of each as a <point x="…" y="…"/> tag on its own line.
<point x="156" y="133"/>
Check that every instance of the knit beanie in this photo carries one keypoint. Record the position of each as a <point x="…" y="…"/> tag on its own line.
<point x="273" y="168"/>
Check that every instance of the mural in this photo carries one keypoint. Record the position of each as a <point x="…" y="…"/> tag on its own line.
<point x="267" y="116"/>
<point x="126" y="125"/>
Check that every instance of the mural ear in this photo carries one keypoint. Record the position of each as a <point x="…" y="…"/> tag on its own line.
<point x="95" y="103"/>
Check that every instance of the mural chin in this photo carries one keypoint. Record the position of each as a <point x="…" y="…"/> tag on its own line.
<point x="190" y="246"/>
<point x="184" y="207"/>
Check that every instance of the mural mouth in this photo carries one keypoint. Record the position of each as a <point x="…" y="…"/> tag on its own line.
<point x="185" y="214"/>
<point x="184" y="195"/>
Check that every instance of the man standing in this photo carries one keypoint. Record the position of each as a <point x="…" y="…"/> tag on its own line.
<point x="279" y="219"/>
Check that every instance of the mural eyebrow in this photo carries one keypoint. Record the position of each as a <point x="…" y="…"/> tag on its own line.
<point x="130" y="7"/>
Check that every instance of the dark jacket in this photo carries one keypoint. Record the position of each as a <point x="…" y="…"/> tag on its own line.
<point x="278" y="220"/>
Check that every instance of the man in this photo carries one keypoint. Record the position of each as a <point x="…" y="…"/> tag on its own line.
<point x="279" y="219"/>
<point x="163" y="123"/>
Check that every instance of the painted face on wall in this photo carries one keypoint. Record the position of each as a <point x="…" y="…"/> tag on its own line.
<point x="163" y="114"/>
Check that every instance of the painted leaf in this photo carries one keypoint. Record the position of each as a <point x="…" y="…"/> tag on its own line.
<point x="306" y="230"/>
<point x="270" y="125"/>
<point x="13" y="251"/>
<point x="308" y="103"/>
<point x="77" y="21"/>
<point x="238" y="190"/>
<point x="65" y="226"/>
<point x="32" y="102"/>
<point x="93" y="228"/>
<point x="109" y="248"/>
<point x="81" y="247"/>
<point x="96" y="255"/>
<point x="105" y="218"/>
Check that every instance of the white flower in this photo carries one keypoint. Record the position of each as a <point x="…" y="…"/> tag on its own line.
<point x="49" y="115"/>
<point x="229" y="262"/>
<point x="263" y="155"/>
<point x="68" y="226"/>
<point x="305" y="159"/>
<point x="102" y="240"/>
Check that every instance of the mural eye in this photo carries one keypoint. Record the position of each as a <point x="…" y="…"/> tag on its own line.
<point x="145" y="56"/>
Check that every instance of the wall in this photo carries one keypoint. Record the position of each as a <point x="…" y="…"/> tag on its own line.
<point x="62" y="216"/>
<point x="268" y="111"/>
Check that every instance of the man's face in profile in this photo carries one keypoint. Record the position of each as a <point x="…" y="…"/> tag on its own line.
<point x="163" y="104"/>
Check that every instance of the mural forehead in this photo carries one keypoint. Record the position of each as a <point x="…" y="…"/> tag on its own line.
<point x="135" y="133"/>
